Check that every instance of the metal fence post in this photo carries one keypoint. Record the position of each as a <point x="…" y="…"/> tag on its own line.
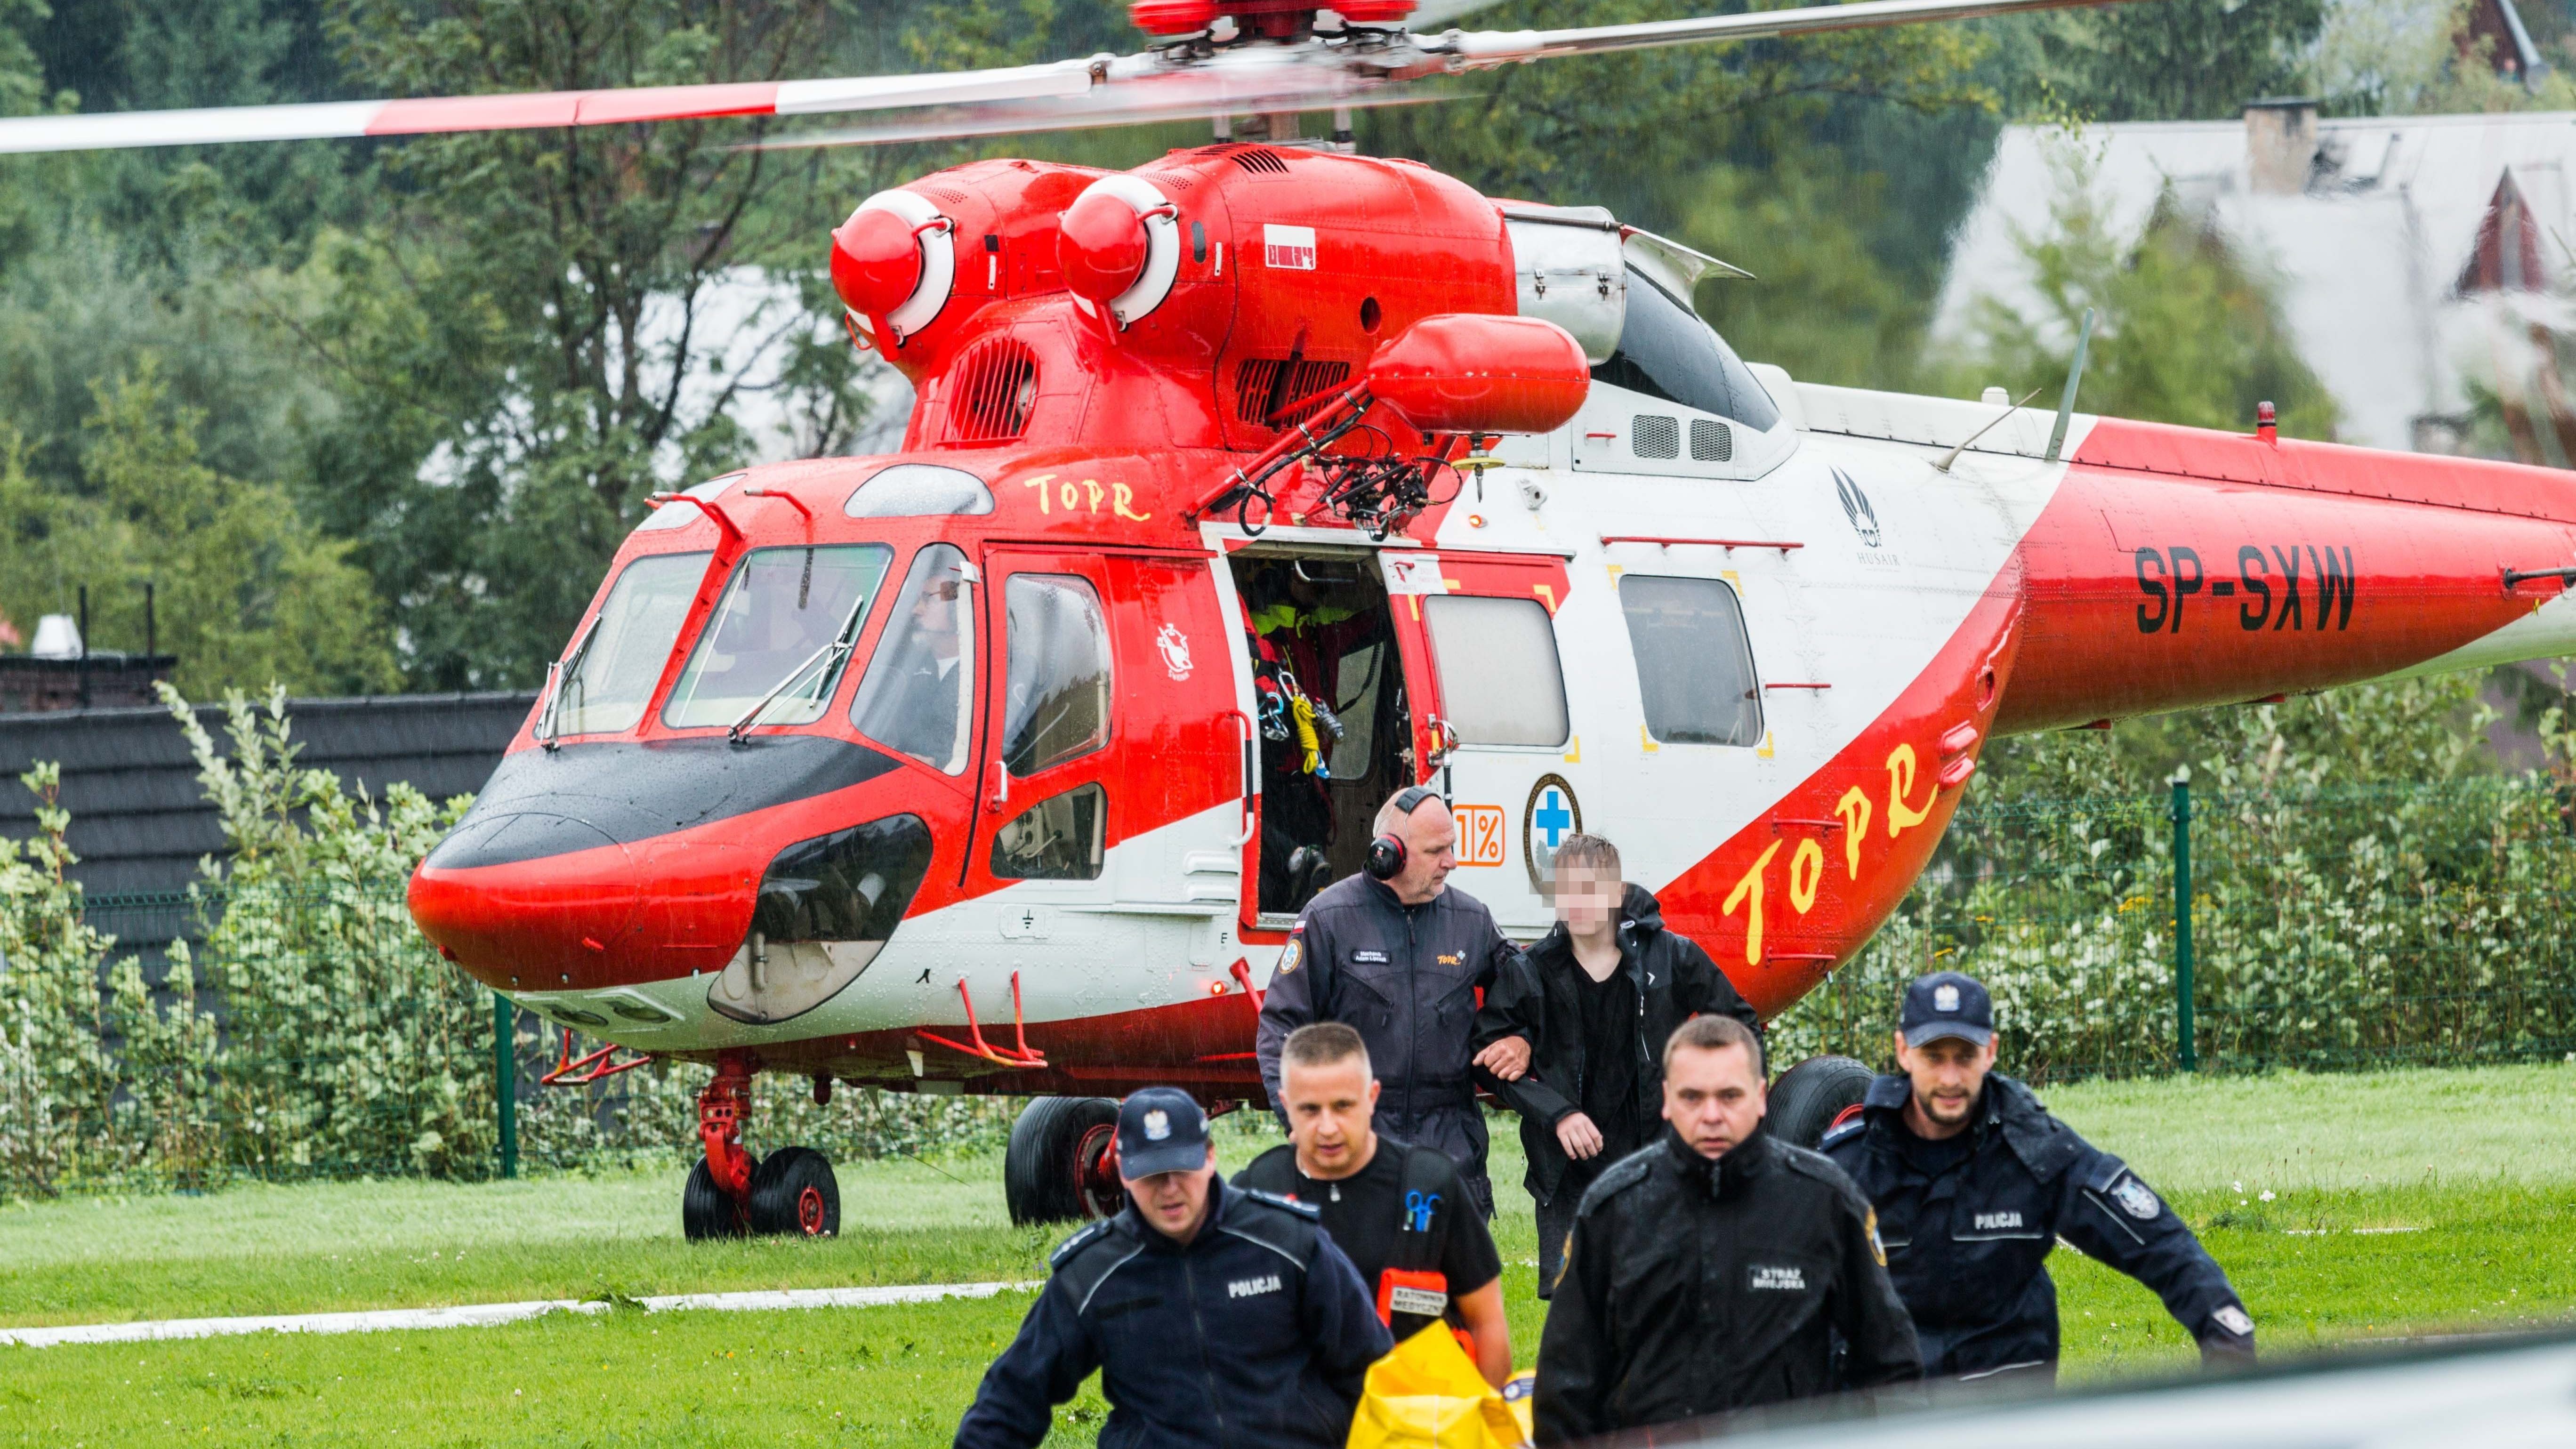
<point x="505" y="1080"/>
<point x="2182" y="919"/>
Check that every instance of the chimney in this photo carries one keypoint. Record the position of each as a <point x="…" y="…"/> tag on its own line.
<point x="2280" y="144"/>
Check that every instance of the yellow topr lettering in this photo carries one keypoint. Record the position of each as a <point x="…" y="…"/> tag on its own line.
<point x="1900" y="780"/>
<point x="1121" y="502"/>
<point x="1854" y="809"/>
<point x="1040" y="483"/>
<point x="1806" y="873"/>
<point x="1751" y="886"/>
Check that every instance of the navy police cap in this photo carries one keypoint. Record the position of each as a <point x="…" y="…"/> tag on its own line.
<point x="1947" y="1003"/>
<point x="1160" y="1129"/>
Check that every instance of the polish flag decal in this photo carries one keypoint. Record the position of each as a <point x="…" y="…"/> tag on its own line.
<point x="1288" y="248"/>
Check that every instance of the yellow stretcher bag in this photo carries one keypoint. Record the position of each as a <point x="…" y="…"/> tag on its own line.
<point x="1428" y="1393"/>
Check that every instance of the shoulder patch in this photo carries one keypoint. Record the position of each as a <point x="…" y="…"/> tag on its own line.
<point x="1071" y="1248"/>
<point x="1308" y="1211"/>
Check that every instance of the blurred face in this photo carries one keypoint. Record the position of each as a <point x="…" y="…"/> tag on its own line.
<point x="1586" y="901"/>
<point x="1430" y="853"/>
<point x="1713" y="1098"/>
<point x="1948" y="1074"/>
<point x="1174" y="1203"/>
<point x="1329" y="1110"/>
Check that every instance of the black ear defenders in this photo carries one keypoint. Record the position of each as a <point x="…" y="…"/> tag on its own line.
<point x="1386" y="853"/>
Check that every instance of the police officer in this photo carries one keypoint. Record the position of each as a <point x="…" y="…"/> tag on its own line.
<point x="1974" y="1182"/>
<point x="1715" y="1269"/>
<point x="1399" y="956"/>
<point x="1216" y="1316"/>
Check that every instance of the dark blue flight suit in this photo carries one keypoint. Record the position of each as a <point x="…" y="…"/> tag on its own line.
<point x="1259" y="1332"/>
<point x="1967" y="1237"/>
<point x="1405" y="978"/>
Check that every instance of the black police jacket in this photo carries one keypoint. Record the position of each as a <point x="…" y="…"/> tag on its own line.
<point x="1404" y="977"/>
<point x="1967" y="1247"/>
<point x="1258" y="1332"/>
<point x="1695" y="1288"/>
<point x="1535" y="998"/>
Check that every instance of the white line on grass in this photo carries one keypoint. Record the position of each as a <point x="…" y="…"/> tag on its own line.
<point x="485" y="1315"/>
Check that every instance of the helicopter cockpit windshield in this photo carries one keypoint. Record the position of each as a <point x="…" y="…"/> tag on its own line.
<point x="606" y="684"/>
<point x="774" y="648"/>
<point x="1666" y="351"/>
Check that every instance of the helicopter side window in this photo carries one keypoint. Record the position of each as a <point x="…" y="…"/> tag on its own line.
<point x="610" y="680"/>
<point x="1666" y="351"/>
<point x="1058" y="705"/>
<point x="1500" y="680"/>
<point x="918" y="695"/>
<point x="1694" y="662"/>
<point x="1057" y="839"/>
<point x="778" y="637"/>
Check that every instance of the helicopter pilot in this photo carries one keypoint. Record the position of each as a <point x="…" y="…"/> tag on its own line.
<point x="926" y="714"/>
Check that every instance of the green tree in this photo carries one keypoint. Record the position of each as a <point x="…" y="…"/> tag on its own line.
<point x="2187" y="330"/>
<point x="1636" y="131"/>
<point x="1821" y="303"/>
<point x="2173" y="60"/>
<point x="523" y="339"/>
<point x="246" y="590"/>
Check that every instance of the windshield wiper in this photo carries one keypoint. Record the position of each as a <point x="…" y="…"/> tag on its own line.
<point x="559" y="674"/>
<point x="838" y="652"/>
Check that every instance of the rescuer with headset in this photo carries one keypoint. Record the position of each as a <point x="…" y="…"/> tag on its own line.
<point x="1217" y="1316"/>
<point x="1397" y="1210"/>
<point x="1399" y="956"/>
<point x="1975" y="1182"/>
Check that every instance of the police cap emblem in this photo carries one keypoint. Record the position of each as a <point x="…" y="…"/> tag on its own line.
<point x="1945" y="997"/>
<point x="1158" y="1125"/>
<point x="2136" y="1198"/>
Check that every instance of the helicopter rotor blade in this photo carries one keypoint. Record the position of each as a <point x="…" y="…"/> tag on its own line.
<point x="1480" y="48"/>
<point x="115" y="130"/>
<point x="1350" y="69"/>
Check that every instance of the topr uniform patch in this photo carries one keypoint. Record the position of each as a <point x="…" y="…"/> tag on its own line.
<point x="1288" y="959"/>
<point x="2136" y="1198"/>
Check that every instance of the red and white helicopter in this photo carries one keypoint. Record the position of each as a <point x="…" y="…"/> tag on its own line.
<point x="961" y="770"/>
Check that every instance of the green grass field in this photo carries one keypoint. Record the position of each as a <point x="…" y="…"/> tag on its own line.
<point x="2402" y="1203"/>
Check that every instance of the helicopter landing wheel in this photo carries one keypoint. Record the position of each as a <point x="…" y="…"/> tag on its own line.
<point x="1061" y="1166"/>
<point x="706" y="1210"/>
<point x="795" y="1195"/>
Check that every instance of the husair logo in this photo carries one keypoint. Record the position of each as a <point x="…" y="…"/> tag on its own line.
<point x="1864" y="519"/>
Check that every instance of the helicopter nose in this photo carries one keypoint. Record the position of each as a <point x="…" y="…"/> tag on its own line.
<point x="538" y="901"/>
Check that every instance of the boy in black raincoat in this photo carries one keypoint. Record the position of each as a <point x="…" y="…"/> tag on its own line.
<point x="1574" y="1032"/>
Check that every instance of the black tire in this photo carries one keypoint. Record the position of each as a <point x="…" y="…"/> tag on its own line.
<point x="1042" y="1170"/>
<point x="1809" y="1096"/>
<point x="795" y="1195"/>
<point x="705" y="1211"/>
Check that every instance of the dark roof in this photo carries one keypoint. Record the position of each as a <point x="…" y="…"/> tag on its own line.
<point x="139" y="819"/>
